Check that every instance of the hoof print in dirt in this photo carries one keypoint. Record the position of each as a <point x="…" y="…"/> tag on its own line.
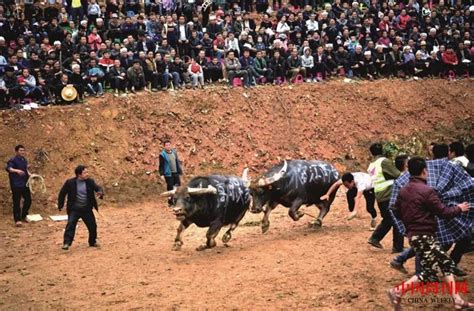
<point x="202" y="247"/>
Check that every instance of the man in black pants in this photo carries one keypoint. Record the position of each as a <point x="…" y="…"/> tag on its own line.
<point x="383" y="174"/>
<point x="358" y="185"/>
<point x="17" y="168"/>
<point x="170" y="168"/>
<point x="80" y="201"/>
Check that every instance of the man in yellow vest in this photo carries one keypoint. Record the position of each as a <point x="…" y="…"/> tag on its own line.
<point x="383" y="174"/>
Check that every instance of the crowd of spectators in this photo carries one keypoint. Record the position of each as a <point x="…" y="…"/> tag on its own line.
<point x="153" y="45"/>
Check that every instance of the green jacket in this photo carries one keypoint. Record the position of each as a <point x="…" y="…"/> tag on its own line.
<point x="389" y="172"/>
<point x="260" y="64"/>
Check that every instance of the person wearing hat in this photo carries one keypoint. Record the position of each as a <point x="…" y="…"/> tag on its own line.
<point x="465" y="59"/>
<point x="369" y="65"/>
<point x="358" y="63"/>
<point x="381" y="61"/>
<point x="423" y="51"/>
<point x="77" y="80"/>
<point x="421" y="65"/>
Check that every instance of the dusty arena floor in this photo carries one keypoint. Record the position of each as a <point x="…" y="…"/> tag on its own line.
<point x="289" y="267"/>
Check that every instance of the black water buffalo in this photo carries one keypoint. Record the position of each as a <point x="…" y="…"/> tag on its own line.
<point x="211" y="201"/>
<point x="292" y="184"/>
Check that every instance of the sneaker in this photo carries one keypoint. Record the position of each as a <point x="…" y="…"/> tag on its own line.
<point x="352" y="215"/>
<point x="398" y="266"/>
<point x="18" y="224"/>
<point x="308" y="80"/>
<point x="97" y="245"/>
<point x="373" y="224"/>
<point x="66" y="246"/>
<point x="375" y="243"/>
<point x="315" y="80"/>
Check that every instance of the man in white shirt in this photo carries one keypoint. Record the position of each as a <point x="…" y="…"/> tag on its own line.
<point x="358" y="185"/>
<point x="456" y="154"/>
<point x="312" y="23"/>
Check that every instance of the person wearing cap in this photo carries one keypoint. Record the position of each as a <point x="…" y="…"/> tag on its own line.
<point x="369" y="65"/>
<point x="465" y="59"/>
<point x="381" y="61"/>
<point x="423" y="51"/>
<point x="421" y="69"/>
<point x="76" y="78"/>
<point x="357" y="62"/>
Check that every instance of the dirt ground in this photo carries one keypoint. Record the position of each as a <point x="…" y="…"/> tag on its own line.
<point x="221" y="130"/>
<point x="290" y="267"/>
<point x="215" y="130"/>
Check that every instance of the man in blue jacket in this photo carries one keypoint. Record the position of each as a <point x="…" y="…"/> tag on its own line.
<point x="170" y="168"/>
<point x="17" y="168"/>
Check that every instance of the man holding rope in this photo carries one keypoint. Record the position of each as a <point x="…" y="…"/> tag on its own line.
<point x="80" y="201"/>
<point x="17" y="168"/>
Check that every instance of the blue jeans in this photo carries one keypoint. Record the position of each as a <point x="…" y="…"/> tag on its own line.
<point x="407" y="254"/>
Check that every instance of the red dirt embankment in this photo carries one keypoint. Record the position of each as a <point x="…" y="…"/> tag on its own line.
<point x="223" y="130"/>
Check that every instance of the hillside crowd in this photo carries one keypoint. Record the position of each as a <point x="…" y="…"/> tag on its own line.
<point x="154" y="45"/>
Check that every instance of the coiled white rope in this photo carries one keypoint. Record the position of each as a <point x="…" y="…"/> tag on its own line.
<point x="36" y="183"/>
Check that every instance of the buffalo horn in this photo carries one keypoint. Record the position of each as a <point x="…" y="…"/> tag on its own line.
<point x="168" y="193"/>
<point x="200" y="191"/>
<point x="262" y="182"/>
<point x="245" y="177"/>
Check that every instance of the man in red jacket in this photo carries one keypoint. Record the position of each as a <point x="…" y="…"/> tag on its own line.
<point x="416" y="206"/>
<point x="450" y="60"/>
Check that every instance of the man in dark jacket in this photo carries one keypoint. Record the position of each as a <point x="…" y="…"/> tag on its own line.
<point x="170" y="168"/>
<point x="416" y="206"/>
<point x="17" y="168"/>
<point x="80" y="202"/>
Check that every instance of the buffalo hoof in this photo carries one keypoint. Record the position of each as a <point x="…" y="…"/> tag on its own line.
<point x="177" y="245"/>
<point x="317" y="223"/>
<point x="299" y="214"/>
<point x="226" y="238"/>
<point x="265" y="227"/>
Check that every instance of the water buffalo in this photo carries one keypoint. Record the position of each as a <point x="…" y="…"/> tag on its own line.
<point x="210" y="201"/>
<point x="292" y="184"/>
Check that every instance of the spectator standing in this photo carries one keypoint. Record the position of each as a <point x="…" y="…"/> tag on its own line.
<point x="169" y="168"/>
